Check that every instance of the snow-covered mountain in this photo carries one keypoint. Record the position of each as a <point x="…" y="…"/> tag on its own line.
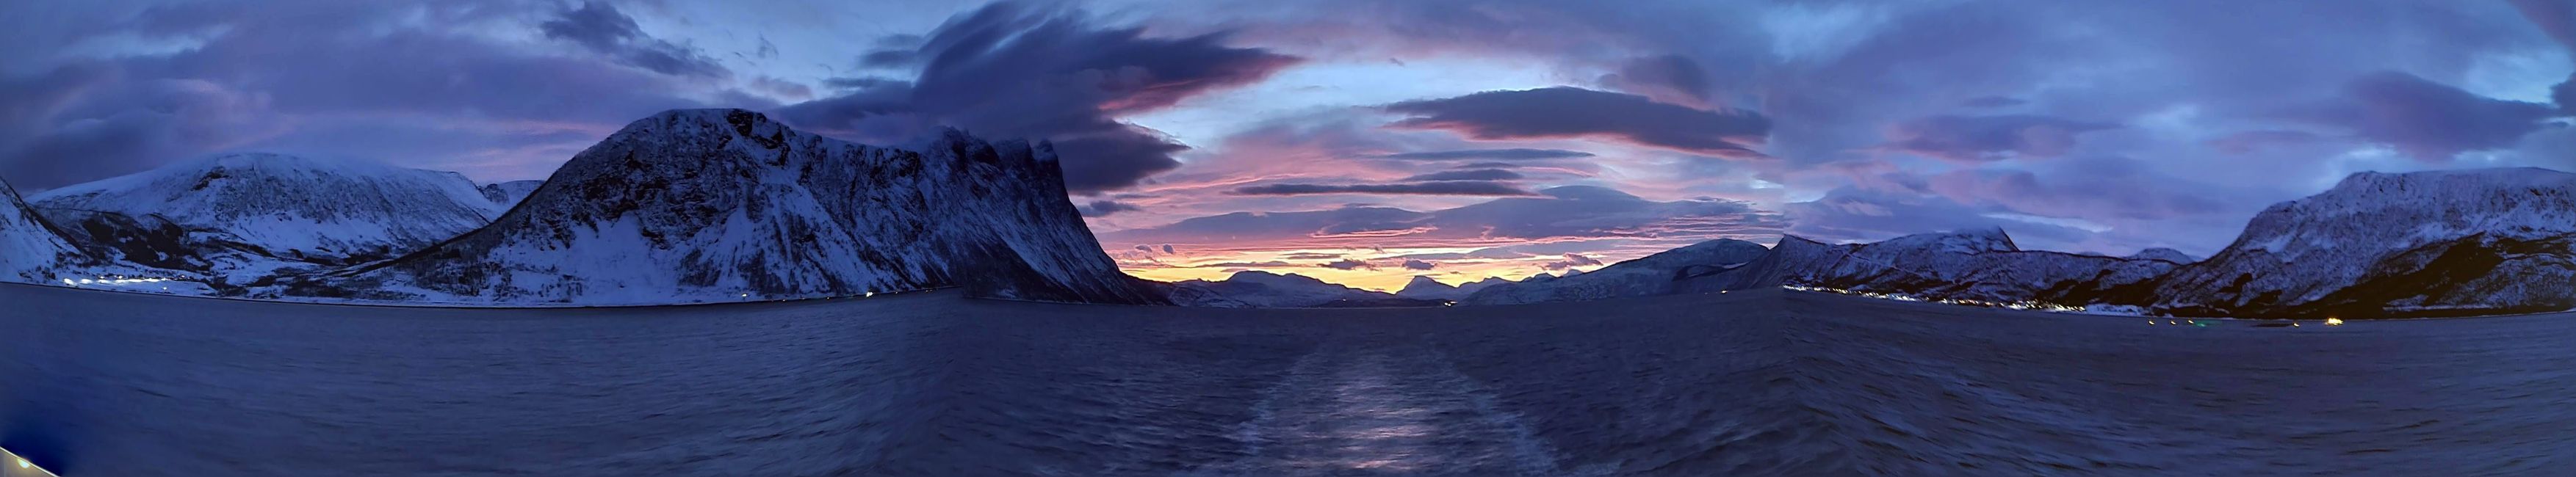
<point x="30" y="251"/>
<point x="1261" y="289"/>
<point x="1969" y="264"/>
<point x="1426" y="288"/>
<point x="236" y="219"/>
<point x="1658" y="274"/>
<point x="2436" y="242"/>
<point x="728" y="205"/>
<point x="507" y="194"/>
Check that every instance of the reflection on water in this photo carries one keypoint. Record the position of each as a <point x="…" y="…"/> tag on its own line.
<point x="1737" y="384"/>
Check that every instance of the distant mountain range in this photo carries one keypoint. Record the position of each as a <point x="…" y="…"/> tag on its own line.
<point x="1260" y="289"/>
<point x="2436" y="243"/>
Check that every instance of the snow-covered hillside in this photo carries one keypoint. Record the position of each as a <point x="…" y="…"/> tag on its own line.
<point x="236" y="219"/>
<point x="1658" y="274"/>
<point x="1970" y="264"/>
<point x="30" y="252"/>
<point x="728" y="205"/>
<point x="2461" y="240"/>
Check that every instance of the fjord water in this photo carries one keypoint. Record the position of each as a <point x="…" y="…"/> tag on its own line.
<point x="1747" y="383"/>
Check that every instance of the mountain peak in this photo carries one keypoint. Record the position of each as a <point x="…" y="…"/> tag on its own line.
<point x="2162" y="253"/>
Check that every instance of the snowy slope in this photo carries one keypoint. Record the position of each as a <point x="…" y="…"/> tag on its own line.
<point x="728" y="205"/>
<point x="507" y="194"/>
<point x="1260" y="289"/>
<point x="235" y="219"/>
<point x="30" y="251"/>
<point x="1657" y="274"/>
<point x="2463" y="240"/>
<point x="2165" y="254"/>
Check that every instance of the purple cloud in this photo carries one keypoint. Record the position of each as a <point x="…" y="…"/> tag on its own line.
<point x="1988" y="138"/>
<point x="1563" y="112"/>
<point x="1488" y="154"/>
<point x="1467" y="175"/>
<point x="1455" y="187"/>
<point x="1419" y="265"/>
<point x="1667" y="78"/>
<point x="1016" y="70"/>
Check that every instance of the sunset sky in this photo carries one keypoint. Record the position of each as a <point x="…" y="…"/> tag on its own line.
<point x="1368" y="142"/>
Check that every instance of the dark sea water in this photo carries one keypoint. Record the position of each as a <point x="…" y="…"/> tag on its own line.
<point x="1748" y="383"/>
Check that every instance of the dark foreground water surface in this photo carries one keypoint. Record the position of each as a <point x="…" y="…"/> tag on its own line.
<point x="1748" y="383"/>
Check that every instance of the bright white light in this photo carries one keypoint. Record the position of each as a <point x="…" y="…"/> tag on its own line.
<point x="22" y="463"/>
<point x="868" y="294"/>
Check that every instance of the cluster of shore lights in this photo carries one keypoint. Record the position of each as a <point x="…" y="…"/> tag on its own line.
<point x="2017" y="305"/>
<point x="116" y="281"/>
<point x="861" y="295"/>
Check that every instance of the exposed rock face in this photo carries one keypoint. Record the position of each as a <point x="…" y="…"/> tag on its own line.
<point x="727" y="205"/>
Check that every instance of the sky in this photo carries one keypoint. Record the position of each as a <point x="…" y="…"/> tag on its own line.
<point x="1366" y="143"/>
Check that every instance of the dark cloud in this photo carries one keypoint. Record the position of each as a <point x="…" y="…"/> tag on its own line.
<point x="1988" y="138"/>
<point x="121" y="127"/>
<point x="2554" y="17"/>
<point x="2093" y="188"/>
<point x="1467" y="175"/>
<point x="865" y="82"/>
<point x="1488" y="154"/>
<point x="2565" y="95"/>
<point x="1576" y="112"/>
<point x="1461" y="187"/>
<point x="1167" y="248"/>
<point x="1102" y="208"/>
<point x="782" y="88"/>
<point x="1572" y="260"/>
<point x="1419" y="265"/>
<point x="1014" y="70"/>
<point x="1268" y="264"/>
<point x="601" y="28"/>
<point x="1349" y="264"/>
<point x="2426" y="120"/>
<point x="1494" y="253"/>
